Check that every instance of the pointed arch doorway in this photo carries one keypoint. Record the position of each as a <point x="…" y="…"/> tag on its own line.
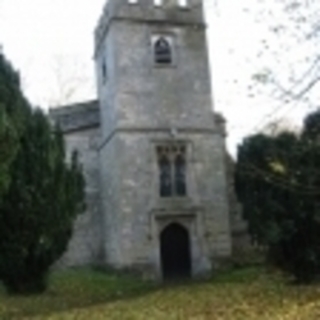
<point x="175" y="252"/>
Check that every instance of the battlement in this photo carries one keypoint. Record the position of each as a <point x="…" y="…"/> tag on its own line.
<point x="170" y="12"/>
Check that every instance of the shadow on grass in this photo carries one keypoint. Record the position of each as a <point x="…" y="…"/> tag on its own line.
<point x="73" y="289"/>
<point x="83" y="288"/>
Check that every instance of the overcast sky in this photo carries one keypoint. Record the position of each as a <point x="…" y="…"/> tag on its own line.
<point x="51" y="44"/>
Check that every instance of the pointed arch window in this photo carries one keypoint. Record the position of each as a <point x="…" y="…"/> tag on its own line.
<point x="180" y="175"/>
<point x="162" y="51"/>
<point x="172" y="171"/>
<point x="165" y="176"/>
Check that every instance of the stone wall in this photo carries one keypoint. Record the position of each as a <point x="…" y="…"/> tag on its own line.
<point x="142" y="105"/>
<point x="80" y="124"/>
<point x="132" y="186"/>
<point x="134" y="212"/>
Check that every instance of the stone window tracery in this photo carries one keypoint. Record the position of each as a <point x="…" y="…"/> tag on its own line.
<point x="172" y="170"/>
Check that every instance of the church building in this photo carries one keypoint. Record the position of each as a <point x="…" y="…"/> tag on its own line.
<point x="151" y="146"/>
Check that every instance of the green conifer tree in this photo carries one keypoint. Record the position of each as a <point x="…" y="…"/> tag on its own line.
<point x="13" y="108"/>
<point x="41" y="202"/>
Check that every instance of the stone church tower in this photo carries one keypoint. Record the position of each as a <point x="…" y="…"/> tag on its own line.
<point x="154" y="151"/>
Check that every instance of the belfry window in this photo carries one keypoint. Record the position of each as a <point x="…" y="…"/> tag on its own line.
<point x="162" y="51"/>
<point x="172" y="170"/>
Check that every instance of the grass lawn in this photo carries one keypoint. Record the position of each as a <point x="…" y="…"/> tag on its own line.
<point x="242" y="294"/>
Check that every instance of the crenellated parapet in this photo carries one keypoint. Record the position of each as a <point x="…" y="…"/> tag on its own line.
<point x="168" y="12"/>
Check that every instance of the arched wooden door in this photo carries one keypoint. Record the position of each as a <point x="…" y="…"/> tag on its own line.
<point x="175" y="252"/>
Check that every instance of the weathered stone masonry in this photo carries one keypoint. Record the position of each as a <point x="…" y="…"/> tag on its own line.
<point x="146" y="102"/>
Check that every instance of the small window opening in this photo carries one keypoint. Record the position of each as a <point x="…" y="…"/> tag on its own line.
<point x="162" y="51"/>
<point x="104" y="71"/>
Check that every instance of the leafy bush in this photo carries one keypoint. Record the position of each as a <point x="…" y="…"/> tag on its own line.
<point x="278" y="184"/>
